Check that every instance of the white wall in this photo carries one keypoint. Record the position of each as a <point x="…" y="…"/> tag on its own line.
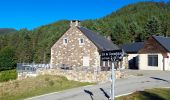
<point x="167" y="62"/>
<point x="125" y="63"/>
<point x="130" y="56"/>
<point x="143" y="62"/>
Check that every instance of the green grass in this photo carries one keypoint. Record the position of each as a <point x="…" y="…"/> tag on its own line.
<point x="148" y="94"/>
<point x="8" y="75"/>
<point x="21" y="89"/>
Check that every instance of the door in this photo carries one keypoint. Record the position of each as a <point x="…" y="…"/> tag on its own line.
<point x="86" y="61"/>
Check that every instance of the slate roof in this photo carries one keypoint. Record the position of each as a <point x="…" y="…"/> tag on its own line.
<point x="164" y="41"/>
<point x="132" y="47"/>
<point x="101" y="42"/>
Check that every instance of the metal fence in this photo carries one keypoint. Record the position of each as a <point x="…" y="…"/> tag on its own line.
<point x="31" y="67"/>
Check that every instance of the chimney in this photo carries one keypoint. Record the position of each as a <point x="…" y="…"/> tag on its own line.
<point x="75" y="23"/>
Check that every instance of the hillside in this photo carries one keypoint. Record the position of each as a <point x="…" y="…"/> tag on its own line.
<point x="6" y="30"/>
<point x="128" y="24"/>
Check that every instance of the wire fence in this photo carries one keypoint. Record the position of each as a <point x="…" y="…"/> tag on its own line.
<point x="31" y="67"/>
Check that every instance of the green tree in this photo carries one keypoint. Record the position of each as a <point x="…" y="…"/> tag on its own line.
<point x="136" y="32"/>
<point x="7" y="58"/>
<point x="24" y="49"/>
<point x="27" y="49"/>
<point x="152" y="27"/>
<point x="164" y="28"/>
<point x="120" y="34"/>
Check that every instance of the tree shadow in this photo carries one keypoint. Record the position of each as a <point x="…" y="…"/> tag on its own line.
<point x="150" y="96"/>
<point x="90" y="93"/>
<point x="160" y="79"/>
<point x="106" y="95"/>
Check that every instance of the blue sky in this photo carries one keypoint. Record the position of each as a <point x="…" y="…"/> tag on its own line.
<point x="34" y="13"/>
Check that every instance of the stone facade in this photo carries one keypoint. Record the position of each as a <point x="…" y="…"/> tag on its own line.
<point x="73" y="52"/>
<point x="84" y="76"/>
<point x="76" y="56"/>
<point x="76" y="75"/>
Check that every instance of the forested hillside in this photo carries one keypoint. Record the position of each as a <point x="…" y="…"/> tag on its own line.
<point x="6" y="30"/>
<point x="134" y="22"/>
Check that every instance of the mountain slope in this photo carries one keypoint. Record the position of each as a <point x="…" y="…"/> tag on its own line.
<point x="6" y="30"/>
<point x="125" y="25"/>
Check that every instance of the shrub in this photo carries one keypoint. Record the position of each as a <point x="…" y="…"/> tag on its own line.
<point x="7" y="59"/>
<point x="8" y="75"/>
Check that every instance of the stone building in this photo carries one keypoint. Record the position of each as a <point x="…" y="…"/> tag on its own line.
<point x="79" y="47"/>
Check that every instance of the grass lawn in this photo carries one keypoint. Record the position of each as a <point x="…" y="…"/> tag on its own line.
<point x="21" y="89"/>
<point x="148" y="94"/>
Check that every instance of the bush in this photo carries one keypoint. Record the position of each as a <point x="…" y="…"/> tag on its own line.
<point x="7" y="59"/>
<point x="8" y="75"/>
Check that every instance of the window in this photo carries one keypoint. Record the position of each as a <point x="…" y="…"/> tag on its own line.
<point x="153" y="60"/>
<point x="65" y="40"/>
<point x="81" y="41"/>
<point x="105" y="63"/>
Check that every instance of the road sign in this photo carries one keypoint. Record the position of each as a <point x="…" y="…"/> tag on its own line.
<point x="111" y="55"/>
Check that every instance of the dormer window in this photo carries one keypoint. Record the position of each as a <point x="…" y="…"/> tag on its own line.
<point x="81" y="41"/>
<point x="65" y="41"/>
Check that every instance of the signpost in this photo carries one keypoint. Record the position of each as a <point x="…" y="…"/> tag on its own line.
<point x="112" y="55"/>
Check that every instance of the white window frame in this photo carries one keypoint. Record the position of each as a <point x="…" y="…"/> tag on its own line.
<point x="64" y="42"/>
<point x="80" y="41"/>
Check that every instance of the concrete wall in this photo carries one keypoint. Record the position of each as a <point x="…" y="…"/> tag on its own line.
<point x="130" y="56"/>
<point x="143" y="62"/>
<point x="125" y="62"/>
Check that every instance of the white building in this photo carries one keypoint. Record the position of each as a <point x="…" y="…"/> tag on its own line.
<point x="155" y="54"/>
<point x="131" y="51"/>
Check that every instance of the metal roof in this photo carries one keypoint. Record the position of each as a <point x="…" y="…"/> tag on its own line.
<point x="132" y="47"/>
<point x="101" y="42"/>
<point x="164" y="41"/>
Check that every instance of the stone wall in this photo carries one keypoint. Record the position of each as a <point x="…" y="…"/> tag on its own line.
<point x="84" y="76"/>
<point x="72" y="53"/>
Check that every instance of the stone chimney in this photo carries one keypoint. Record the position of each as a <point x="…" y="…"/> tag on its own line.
<point x="74" y="23"/>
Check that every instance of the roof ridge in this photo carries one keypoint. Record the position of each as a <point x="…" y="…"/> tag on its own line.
<point x="101" y="42"/>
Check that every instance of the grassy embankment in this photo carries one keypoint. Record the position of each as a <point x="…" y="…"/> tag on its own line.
<point x="148" y="94"/>
<point x="8" y="75"/>
<point x="20" y="89"/>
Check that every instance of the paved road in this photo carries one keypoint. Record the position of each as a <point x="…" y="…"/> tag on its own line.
<point x="134" y="82"/>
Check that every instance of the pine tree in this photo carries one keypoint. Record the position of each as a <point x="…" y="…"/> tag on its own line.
<point x="120" y="35"/>
<point x="152" y="27"/>
<point x="135" y="31"/>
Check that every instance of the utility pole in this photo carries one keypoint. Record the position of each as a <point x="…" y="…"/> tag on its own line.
<point x="113" y="82"/>
<point x="112" y="55"/>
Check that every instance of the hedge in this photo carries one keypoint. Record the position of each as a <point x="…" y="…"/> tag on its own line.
<point x="8" y="75"/>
